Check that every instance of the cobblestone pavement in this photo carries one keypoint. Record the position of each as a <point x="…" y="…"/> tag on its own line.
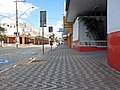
<point x="62" y="69"/>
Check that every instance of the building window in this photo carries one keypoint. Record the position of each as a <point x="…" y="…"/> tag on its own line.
<point x="7" y="25"/>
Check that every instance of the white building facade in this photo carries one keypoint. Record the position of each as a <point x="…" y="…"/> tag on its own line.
<point x="27" y="34"/>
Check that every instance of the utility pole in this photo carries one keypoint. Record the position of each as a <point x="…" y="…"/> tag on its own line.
<point x="17" y="34"/>
<point x="43" y="38"/>
<point x="39" y="37"/>
<point x="17" y="41"/>
<point x="43" y="24"/>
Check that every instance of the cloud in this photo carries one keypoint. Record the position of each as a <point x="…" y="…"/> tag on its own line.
<point x="8" y="9"/>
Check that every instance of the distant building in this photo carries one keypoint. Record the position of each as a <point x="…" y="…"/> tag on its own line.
<point x="27" y="34"/>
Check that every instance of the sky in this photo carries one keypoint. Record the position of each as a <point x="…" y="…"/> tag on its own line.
<point x="54" y="9"/>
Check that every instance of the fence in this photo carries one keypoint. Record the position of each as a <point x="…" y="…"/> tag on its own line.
<point x="98" y="43"/>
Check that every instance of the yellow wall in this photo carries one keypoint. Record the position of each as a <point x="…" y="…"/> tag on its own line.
<point x="68" y="26"/>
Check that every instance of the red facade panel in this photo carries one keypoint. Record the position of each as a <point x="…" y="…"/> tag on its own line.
<point x="114" y="50"/>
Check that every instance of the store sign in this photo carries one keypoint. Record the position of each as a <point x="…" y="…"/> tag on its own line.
<point x="61" y="30"/>
<point x="67" y="24"/>
<point x="28" y="29"/>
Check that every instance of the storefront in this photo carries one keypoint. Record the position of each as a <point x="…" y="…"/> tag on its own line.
<point x="105" y="11"/>
<point x="92" y="35"/>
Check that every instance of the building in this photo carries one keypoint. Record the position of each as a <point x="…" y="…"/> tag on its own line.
<point x="27" y="34"/>
<point x="85" y="15"/>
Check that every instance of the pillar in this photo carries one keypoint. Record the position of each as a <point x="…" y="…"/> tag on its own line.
<point x="23" y="40"/>
<point x="113" y="26"/>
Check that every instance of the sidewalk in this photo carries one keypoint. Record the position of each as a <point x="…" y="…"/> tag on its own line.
<point x="63" y="69"/>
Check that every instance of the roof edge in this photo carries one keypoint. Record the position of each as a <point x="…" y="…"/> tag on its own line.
<point x="67" y="4"/>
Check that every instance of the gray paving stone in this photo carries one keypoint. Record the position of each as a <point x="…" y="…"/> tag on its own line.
<point x="63" y="69"/>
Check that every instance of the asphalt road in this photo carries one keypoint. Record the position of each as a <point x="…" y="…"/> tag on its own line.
<point x="13" y="56"/>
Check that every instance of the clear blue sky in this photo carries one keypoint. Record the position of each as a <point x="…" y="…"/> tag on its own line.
<point x="54" y="8"/>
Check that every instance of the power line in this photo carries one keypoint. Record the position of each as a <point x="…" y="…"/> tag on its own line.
<point x="6" y="17"/>
<point x="54" y="18"/>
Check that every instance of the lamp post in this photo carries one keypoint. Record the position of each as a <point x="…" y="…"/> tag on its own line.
<point x="25" y="11"/>
<point x="17" y="38"/>
<point x="17" y="34"/>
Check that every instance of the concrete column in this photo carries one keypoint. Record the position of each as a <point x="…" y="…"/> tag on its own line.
<point x="7" y="39"/>
<point x="23" y="40"/>
<point x="34" y="40"/>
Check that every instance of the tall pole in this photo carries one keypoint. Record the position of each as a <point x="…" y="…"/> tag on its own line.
<point x="39" y="37"/>
<point x="17" y="35"/>
<point x="43" y="38"/>
<point x="17" y="38"/>
<point x="43" y="34"/>
<point x="43" y="24"/>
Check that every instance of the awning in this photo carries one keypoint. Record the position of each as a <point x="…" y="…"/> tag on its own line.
<point x="76" y="8"/>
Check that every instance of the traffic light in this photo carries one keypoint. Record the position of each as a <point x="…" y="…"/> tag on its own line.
<point x="50" y="29"/>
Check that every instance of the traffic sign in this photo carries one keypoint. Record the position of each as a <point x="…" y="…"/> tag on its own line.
<point x="42" y="18"/>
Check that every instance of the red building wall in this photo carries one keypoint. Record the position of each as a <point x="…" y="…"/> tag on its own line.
<point x="86" y="48"/>
<point x="114" y="50"/>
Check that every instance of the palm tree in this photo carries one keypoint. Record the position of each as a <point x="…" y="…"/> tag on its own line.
<point x="2" y="35"/>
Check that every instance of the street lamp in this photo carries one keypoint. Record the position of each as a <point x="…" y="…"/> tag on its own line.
<point x="16" y="25"/>
<point x="25" y="11"/>
<point x="17" y="35"/>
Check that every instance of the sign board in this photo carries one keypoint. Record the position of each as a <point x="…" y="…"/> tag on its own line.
<point x="50" y="29"/>
<point x="67" y="24"/>
<point x="27" y="29"/>
<point x="60" y="30"/>
<point x="42" y="18"/>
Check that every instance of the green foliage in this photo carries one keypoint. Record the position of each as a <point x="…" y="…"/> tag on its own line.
<point x="40" y="37"/>
<point x="52" y="37"/>
<point x="2" y="36"/>
<point x="56" y="39"/>
<point x="94" y="27"/>
<point x="2" y="29"/>
<point x="91" y="23"/>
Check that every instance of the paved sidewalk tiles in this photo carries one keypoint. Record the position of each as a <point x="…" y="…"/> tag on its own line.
<point x="63" y="69"/>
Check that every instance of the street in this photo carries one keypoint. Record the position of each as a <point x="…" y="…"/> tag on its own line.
<point x="62" y="69"/>
<point x="19" y="55"/>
